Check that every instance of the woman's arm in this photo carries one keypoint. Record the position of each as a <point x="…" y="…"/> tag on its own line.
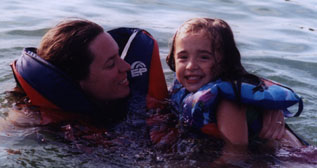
<point x="273" y="128"/>
<point x="272" y="125"/>
<point x="232" y="123"/>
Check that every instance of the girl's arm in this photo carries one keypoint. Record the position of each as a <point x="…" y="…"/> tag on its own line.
<point x="232" y="123"/>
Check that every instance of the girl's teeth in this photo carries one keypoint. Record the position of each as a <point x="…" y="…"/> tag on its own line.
<point x="193" y="78"/>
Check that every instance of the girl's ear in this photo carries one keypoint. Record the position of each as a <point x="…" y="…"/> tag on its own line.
<point x="170" y="59"/>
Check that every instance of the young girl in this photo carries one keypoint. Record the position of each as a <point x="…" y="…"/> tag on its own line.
<point x="205" y="58"/>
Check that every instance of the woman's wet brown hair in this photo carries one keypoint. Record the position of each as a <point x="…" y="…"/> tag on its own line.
<point x="67" y="46"/>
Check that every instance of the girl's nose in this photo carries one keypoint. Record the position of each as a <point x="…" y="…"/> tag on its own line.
<point x="192" y="65"/>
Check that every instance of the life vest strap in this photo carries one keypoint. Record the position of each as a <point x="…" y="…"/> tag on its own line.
<point x="299" y="111"/>
<point x="127" y="46"/>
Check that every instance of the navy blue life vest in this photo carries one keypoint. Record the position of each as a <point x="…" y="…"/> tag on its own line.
<point x="49" y="87"/>
<point x="146" y="77"/>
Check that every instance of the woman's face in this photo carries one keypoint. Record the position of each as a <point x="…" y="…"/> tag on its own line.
<point x="107" y="79"/>
<point x="194" y="60"/>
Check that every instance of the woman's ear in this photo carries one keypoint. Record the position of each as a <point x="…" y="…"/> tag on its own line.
<point x="83" y="84"/>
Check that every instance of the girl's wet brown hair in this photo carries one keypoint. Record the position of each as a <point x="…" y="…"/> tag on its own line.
<point x="229" y="67"/>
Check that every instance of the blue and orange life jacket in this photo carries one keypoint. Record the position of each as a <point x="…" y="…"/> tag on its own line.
<point x="49" y="87"/>
<point x="141" y="51"/>
<point x="198" y="109"/>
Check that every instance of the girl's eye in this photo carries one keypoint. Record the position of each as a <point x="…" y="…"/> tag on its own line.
<point x="182" y="57"/>
<point x="205" y="57"/>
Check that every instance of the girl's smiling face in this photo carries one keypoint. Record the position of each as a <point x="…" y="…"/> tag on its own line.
<point x="195" y="61"/>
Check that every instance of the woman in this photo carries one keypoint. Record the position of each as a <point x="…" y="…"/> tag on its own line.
<point x="83" y="71"/>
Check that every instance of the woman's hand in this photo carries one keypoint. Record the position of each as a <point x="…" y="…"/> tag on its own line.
<point x="273" y="126"/>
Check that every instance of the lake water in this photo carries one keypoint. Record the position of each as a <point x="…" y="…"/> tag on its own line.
<point x="277" y="40"/>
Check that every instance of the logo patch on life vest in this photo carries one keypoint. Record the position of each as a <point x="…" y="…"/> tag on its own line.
<point x="138" y="68"/>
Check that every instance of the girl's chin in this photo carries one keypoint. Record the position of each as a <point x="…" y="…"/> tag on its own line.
<point x="192" y="88"/>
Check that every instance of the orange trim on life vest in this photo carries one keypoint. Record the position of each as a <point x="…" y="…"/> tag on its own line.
<point x="157" y="91"/>
<point x="36" y="98"/>
<point x="211" y="129"/>
<point x="269" y="83"/>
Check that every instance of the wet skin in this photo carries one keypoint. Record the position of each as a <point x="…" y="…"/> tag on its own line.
<point x="194" y="60"/>
<point x="107" y="78"/>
